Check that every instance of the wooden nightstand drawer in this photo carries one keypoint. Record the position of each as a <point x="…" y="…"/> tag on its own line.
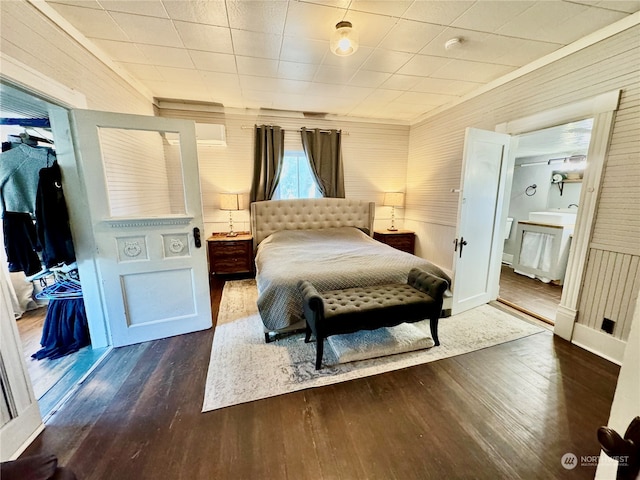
<point x="231" y="249"/>
<point x="230" y="254"/>
<point x="404" y="240"/>
<point x="230" y="264"/>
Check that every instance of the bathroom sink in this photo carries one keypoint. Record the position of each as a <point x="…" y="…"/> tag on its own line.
<point x="553" y="218"/>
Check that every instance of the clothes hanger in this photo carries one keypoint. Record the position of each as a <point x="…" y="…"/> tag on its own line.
<point x="61" y="290"/>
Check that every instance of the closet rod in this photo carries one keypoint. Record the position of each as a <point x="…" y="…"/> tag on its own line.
<point x="25" y="137"/>
<point x="26" y="122"/>
<point x="322" y="130"/>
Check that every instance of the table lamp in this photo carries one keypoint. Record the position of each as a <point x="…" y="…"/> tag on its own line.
<point x="231" y="202"/>
<point x="393" y="200"/>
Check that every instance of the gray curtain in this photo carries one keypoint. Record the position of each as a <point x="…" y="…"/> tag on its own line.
<point x="267" y="162"/>
<point x="324" y="151"/>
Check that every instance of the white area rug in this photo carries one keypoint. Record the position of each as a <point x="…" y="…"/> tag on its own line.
<point x="244" y="368"/>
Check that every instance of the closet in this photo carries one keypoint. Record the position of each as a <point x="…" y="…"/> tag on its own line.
<point x="37" y="255"/>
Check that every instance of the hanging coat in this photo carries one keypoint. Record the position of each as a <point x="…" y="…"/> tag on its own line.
<point x="52" y="219"/>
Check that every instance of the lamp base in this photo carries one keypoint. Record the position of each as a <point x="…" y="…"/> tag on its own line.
<point x="392" y="229"/>
<point x="232" y="234"/>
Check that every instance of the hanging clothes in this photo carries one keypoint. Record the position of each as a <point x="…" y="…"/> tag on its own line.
<point x="21" y="243"/>
<point x="65" y="329"/>
<point x="19" y="176"/>
<point x="52" y="219"/>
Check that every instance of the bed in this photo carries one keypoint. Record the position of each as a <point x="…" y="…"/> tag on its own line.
<point x="326" y="241"/>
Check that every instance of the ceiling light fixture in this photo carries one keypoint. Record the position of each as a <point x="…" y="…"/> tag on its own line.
<point x="344" y="41"/>
<point x="453" y="43"/>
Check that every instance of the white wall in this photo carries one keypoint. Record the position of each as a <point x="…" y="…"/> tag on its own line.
<point x="137" y="182"/>
<point x="435" y="159"/>
<point x="374" y="158"/>
<point x="546" y="196"/>
<point x="29" y="37"/>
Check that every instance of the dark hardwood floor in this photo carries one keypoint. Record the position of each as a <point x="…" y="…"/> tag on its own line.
<point x="510" y="411"/>
<point x="529" y="294"/>
<point x="52" y="379"/>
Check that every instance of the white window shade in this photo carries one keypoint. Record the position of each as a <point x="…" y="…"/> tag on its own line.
<point x="207" y="134"/>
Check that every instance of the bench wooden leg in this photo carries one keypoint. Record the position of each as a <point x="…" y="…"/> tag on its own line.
<point x="319" y="351"/>
<point x="433" y="324"/>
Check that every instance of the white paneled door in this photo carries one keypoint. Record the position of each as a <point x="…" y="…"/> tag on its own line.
<point x="20" y="418"/>
<point x="478" y="246"/>
<point x="143" y="195"/>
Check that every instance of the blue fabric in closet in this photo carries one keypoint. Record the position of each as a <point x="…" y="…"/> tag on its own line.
<point x="65" y="329"/>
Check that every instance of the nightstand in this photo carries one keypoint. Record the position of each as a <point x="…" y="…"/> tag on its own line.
<point x="230" y="254"/>
<point x="404" y="240"/>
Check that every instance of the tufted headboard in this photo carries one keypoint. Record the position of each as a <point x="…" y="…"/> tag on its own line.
<point x="309" y="214"/>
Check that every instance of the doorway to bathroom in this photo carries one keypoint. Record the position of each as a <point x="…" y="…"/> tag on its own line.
<point x="543" y="206"/>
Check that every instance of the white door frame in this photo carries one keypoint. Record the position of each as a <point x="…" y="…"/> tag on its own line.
<point x="602" y="109"/>
<point x="62" y="99"/>
<point x="22" y="407"/>
<point x="26" y="425"/>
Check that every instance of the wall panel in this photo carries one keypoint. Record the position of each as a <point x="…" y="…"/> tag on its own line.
<point x="610" y="290"/>
<point x="138" y="181"/>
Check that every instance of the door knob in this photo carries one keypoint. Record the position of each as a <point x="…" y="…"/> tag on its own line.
<point x="196" y="237"/>
<point x="463" y="242"/>
<point x="626" y="450"/>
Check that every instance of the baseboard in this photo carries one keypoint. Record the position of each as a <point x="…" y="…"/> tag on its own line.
<point x="507" y="258"/>
<point x="602" y="344"/>
<point x="565" y="321"/>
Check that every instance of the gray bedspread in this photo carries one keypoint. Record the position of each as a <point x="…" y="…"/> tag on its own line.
<point x="331" y="259"/>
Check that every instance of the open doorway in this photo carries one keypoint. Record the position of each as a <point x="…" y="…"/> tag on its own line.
<point x="44" y="286"/>
<point x="543" y="207"/>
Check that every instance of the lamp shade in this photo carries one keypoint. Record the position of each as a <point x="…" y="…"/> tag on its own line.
<point x="344" y="40"/>
<point x="393" y="199"/>
<point x="229" y="201"/>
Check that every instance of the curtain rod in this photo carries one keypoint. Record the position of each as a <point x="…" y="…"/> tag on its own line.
<point x="249" y="127"/>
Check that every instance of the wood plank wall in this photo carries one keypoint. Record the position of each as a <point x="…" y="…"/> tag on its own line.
<point x="28" y="36"/>
<point x="173" y="162"/>
<point x="374" y="158"/>
<point x="610" y="290"/>
<point x="435" y="156"/>
<point x="137" y="182"/>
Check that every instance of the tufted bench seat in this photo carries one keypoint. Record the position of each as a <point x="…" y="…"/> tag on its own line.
<point x="368" y="308"/>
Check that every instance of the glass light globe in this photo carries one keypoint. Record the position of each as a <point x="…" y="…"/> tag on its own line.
<point x="344" y="41"/>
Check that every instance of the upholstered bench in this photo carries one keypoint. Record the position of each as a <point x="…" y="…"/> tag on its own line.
<point x="368" y="308"/>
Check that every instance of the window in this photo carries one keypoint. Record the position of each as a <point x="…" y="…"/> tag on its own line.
<point x="296" y="179"/>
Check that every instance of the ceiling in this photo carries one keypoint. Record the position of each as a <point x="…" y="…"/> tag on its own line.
<point x="275" y="54"/>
